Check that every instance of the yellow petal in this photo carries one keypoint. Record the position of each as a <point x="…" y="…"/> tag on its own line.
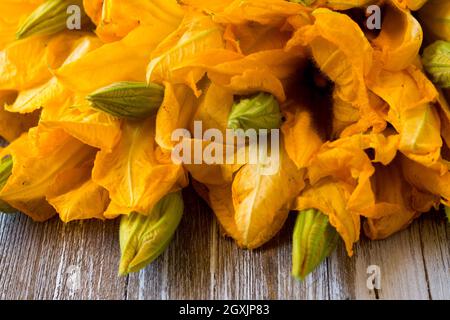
<point x="212" y="174"/>
<point x="427" y="180"/>
<point x="77" y="118"/>
<point x="123" y="60"/>
<point x="262" y="202"/>
<point x="411" y="4"/>
<point x="13" y="125"/>
<point x="221" y="202"/>
<point x="135" y="175"/>
<point x="348" y="4"/>
<point x="52" y="93"/>
<point x="345" y="160"/>
<point x="344" y="115"/>
<point x="93" y="9"/>
<point x="23" y="64"/>
<point x="196" y="34"/>
<point x="400" y="39"/>
<point x="444" y="114"/>
<point x="434" y="17"/>
<point x="260" y="71"/>
<point x="76" y="197"/>
<point x="175" y="112"/>
<point x="410" y="96"/>
<point x="301" y="138"/>
<point x="116" y="18"/>
<point x="251" y="38"/>
<point x="214" y="107"/>
<point x="14" y="12"/>
<point x="266" y="12"/>
<point x="384" y="227"/>
<point x="396" y="202"/>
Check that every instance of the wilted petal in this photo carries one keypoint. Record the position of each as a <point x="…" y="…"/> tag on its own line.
<point x="262" y="202"/>
<point x="400" y="39"/>
<point x="330" y="197"/>
<point x="76" y="197"/>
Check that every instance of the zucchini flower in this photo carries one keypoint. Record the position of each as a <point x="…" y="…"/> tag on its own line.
<point x="144" y="238"/>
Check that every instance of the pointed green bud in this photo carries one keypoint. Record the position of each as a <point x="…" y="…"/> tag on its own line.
<point x="144" y="238"/>
<point x="447" y="212"/>
<point x="6" y="165"/>
<point x="314" y="239"/>
<point x="436" y="60"/>
<point x="260" y="111"/>
<point x="130" y="100"/>
<point x="53" y="16"/>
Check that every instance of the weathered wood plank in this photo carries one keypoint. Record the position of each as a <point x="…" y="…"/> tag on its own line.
<point x="436" y="254"/>
<point x="401" y="266"/>
<point x="315" y="286"/>
<point x="183" y="271"/>
<point x="56" y="261"/>
<point x="341" y="275"/>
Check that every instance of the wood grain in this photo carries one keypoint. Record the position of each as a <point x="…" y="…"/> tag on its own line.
<point x="80" y="260"/>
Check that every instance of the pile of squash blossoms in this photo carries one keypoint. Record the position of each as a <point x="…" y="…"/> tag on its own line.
<point x="365" y="133"/>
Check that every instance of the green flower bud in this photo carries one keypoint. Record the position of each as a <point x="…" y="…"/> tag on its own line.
<point x="436" y="60"/>
<point x="130" y="100"/>
<point x="144" y="238"/>
<point x="6" y="165"/>
<point x="261" y="111"/>
<point x="50" y="17"/>
<point x="447" y="212"/>
<point x="314" y="239"/>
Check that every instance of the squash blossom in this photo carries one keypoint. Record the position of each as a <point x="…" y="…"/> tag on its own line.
<point x="261" y="111"/>
<point x="144" y="237"/>
<point x="436" y="60"/>
<point x="314" y="239"/>
<point x="49" y="18"/>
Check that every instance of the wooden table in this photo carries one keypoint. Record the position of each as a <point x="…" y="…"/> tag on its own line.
<point x="80" y="260"/>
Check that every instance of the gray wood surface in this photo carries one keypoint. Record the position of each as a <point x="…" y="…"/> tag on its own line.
<point x="79" y="261"/>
